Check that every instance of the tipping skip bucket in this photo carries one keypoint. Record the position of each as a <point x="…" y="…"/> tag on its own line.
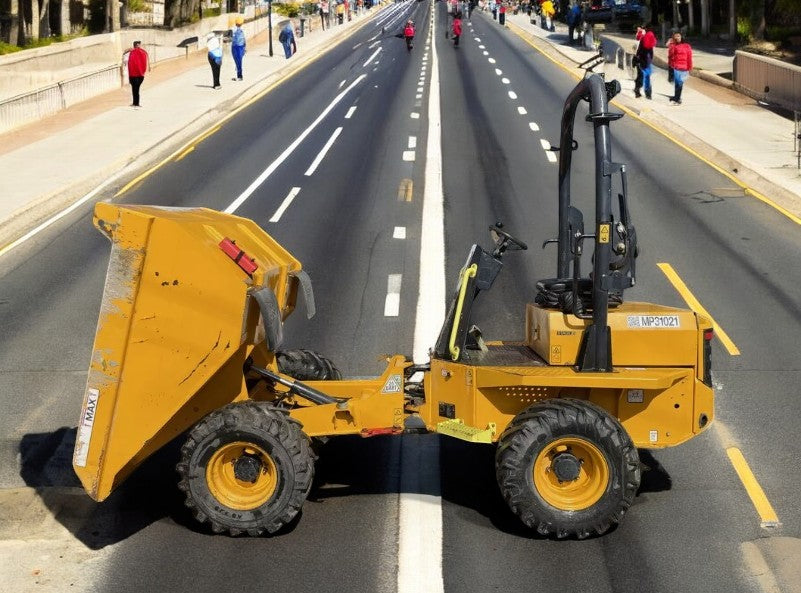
<point x="189" y="293"/>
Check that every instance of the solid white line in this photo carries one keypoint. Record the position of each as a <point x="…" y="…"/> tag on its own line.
<point x="289" y="149"/>
<point x="61" y="214"/>
<point x="392" y="302"/>
<point x="285" y="204"/>
<point x="349" y="114"/>
<point x="316" y="162"/>
<point x="370" y="59"/>
<point x="399" y="232"/>
<point x="420" y="516"/>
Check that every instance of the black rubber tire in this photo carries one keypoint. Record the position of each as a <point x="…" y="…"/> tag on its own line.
<point x="272" y="431"/>
<point x="531" y="432"/>
<point x="307" y="365"/>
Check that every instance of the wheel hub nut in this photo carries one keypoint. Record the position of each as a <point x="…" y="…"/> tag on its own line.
<point x="566" y="467"/>
<point x="247" y="468"/>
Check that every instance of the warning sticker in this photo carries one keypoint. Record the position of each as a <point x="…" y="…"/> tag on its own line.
<point x="603" y="237"/>
<point x="653" y="321"/>
<point x="393" y="384"/>
<point x="85" y="426"/>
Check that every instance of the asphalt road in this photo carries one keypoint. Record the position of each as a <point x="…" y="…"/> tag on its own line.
<point x="692" y="527"/>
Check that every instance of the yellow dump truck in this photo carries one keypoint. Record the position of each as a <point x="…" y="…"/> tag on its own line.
<point x="188" y="343"/>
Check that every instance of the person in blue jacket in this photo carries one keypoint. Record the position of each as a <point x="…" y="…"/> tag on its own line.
<point x="238" y="47"/>
<point x="573" y="21"/>
<point x="287" y="39"/>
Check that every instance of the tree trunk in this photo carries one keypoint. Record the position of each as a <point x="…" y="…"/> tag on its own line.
<point x="64" y="26"/>
<point x="112" y="16"/>
<point x="758" y="20"/>
<point x="34" y="29"/>
<point x="732" y="20"/>
<point x="690" y="15"/>
<point x="705" y="18"/>
<point x="44" y="19"/>
<point x="13" y="34"/>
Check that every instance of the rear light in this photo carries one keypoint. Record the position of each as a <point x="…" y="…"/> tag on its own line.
<point x="708" y="335"/>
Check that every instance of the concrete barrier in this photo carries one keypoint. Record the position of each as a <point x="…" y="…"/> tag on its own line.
<point x="767" y="79"/>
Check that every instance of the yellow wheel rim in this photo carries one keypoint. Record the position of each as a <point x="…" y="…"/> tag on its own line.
<point x="591" y="478"/>
<point x="237" y="493"/>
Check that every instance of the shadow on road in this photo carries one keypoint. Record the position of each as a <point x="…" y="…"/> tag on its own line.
<point x="347" y="466"/>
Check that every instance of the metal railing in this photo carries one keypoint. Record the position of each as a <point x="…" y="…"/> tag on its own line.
<point x="48" y="100"/>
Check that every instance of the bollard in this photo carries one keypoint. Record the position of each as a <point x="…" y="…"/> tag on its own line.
<point x="302" y="25"/>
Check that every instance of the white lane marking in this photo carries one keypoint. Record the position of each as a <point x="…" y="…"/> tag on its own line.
<point x="420" y="516"/>
<point x="534" y="127"/>
<point x="318" y="159"/>
<point x="505" y="80"/>
<point x="399" y="232"/>
<point x="512" y="95"/>
<point x="289" y="149"/>
<point x="481" y="47"/>
<point x="372" y="45"/>
<point x="349" y="114"/>
<point x="415" y="115"/>
<point x="408" y="155"/>
<point x="412" y="141"/>
<point x="491" y="60"/>
<point x="498" y="71"/>
<point x="478" y="39"/>
<point x="522" y="110"/>
<point x="551" y="155"/>
<point x="285" y="204"/>
<point x="370" y="59"/>
<point x="341" y="84"/>
<point x="486" y="53"/>
<point x="392" y="302"/>
<point x="419" y="96"/>
<point x="62" y="214"/>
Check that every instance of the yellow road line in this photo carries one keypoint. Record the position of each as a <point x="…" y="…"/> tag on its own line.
<point x="748" y="190"/>
<point x="184" y="153"/>
<point x="752" y="487"/>
<point x="696" y="306"/>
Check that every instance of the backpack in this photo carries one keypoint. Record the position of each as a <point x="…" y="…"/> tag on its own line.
<point x="408" y="31"/>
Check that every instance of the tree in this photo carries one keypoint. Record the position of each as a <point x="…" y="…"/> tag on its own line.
<point x="14" y="36"/>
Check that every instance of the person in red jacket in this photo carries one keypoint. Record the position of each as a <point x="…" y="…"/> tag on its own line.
<point x="646" y="41"/>
<point x="680" y="58"/>
<point x="457" y="28"/>
<point x="137" y="66"/>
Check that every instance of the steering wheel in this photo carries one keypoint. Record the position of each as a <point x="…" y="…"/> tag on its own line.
<point x="504" y="241"/>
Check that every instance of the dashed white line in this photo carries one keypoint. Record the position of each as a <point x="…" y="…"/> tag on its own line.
<point x="491" y="60"/>
<point x="316" y="162"/>
<point x="285" y="204"/>
<point x="408" y="155"/>
<point x="289" y="149"/>
<point x="349" y="114"/>
<point x="534" y="127"/>
<point x="399" y="232"/>
<point x="412" y="141"/>
<point x="522" y="110"/>
<point x="392" y="302"/>
<point x="419" y="96"/>
<point x="486" y="53"/>
<point x="498" y="71"/>
<point x="415" y="115"/>
<point x="481" y="47"/>
<point x="548" y="152"/>
<point x="512" y="95"/>
<point x="505" y="80"/>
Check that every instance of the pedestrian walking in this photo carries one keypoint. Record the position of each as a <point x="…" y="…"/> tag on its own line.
<point x="643" y="58"/>
<point x="573" y="21"/>
<point x="136" y="58"/>
<point x="287" y="39"/>
<point x="502" y="14"/>
<point x="238" y="43"/>
<point x="457" y="28"/>
<point x="324" y="12"/>
<point x="548" y="12"/>
<point x="340" y="12"/>
<point x="680" y="58"/>
<point x="215" y="53"/>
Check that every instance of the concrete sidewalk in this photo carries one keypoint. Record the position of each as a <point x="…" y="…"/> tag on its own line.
<point x="51" y="164"/>
<point x="750" y="143"/>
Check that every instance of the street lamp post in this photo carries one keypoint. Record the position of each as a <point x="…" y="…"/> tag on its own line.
<point x="270" y="27"/>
